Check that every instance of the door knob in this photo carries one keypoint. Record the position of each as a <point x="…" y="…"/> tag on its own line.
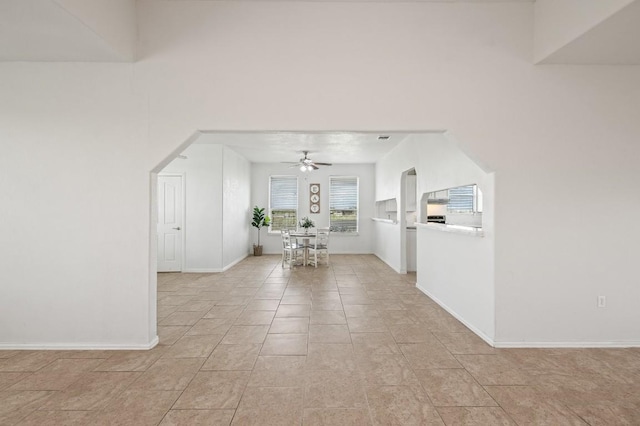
<point x="177" y="229"/>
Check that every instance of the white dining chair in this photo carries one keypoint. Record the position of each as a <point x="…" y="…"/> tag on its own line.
<point x="291" y="250"/>
<point x="319" y="248"/>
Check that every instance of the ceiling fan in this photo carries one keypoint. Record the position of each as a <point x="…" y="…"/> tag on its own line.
<point x="306" y="163"/>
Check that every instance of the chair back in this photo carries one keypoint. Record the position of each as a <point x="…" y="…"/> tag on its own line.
<point x="322" y="237"/>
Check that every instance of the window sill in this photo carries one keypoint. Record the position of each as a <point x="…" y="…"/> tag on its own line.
<point x="391" y="221"/>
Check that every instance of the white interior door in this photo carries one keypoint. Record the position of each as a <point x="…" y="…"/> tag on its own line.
<point x="170" y="223"/>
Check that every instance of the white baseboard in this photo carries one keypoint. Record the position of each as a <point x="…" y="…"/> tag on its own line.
<point x="387" y="263"/>
<point x="525" y="344"/>
<point x="201" y="270"/>
<point x="79" y="346"/>
<point x="630" y="344"/>
<point x="235" y="262"/>
<point x="471" y="327"/>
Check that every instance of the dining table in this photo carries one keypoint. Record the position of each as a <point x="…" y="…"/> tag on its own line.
<point x="306" y="238"/>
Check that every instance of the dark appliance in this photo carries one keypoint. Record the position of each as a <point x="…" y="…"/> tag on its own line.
<point x="437" y="219"/>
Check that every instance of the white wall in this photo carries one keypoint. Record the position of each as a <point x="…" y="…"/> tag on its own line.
<point x="75" y="209"/>
<point x="69" y="128"/>
<point x="454" y="269"/>
<point x="113" y="20"/>
<point x="236" y="207"/>
<point x="560" y="22"/>
<point x="361" y="243"/>
<point x="203" y="206"/>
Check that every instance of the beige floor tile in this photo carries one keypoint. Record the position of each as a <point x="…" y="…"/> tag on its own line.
<point x="182" y="318"/>
<point x="386" y="369"/>
<point x="169" y="334"/>
<point x="289" y="325"/>
<point x="214" y="390"/>
<point x="453" y="387"/>
<point x="16" y="405"/>
<point x="270" y="406"/>
<point x="233" y="357"/>
<point x="92" y="391"/>
<point x="367" y="325"/>
<point x="168" y="374"/>
<point x="263" y="305"/>
<point x="198" y="418"/>
<point x="193" y="346"/>
<point x="285" y="344"/>
<point x="131" y="360"/>
<point x="9" y="379"/>
<point x="285" y="371"/>
<point x="354" y="311"/>
<point x="401" y="405"/>
<point x="296" y="300"/>
<point x="331" y="356"/>
<point x="320" y="333"/>
<point x="464" y="343"/>
<point x="224" y="312"/>
<point x="28" y="361"/>
<point x="374" y="343"/>
<point x="334" y="389"/>
<point x="607" y="414"/>
<point x="428" y="355"/>
<point x="46" y="381"/>
<point x="244" y="334"/>
<point x="197" y="306"/>
<point x="287" y="311"/>
<point x="526" y="406"/>
<point x="210" y="326"/>
<point x="494" y="370"/>
<point x="336" y="416"/>
<point x="56" y="418"/>
<point x="137" y="407"/>
<point x="412" y="333"/>
<point x="326" y="305"/>
<point x="4" y="354"/>
<point x="475" y="416"/>
<point x="255" y="318"/>
<point x="328" y="317"/>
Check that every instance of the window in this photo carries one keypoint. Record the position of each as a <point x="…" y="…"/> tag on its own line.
<point x="283" y="202"/>
<point x="343" y="204"/>
<point x="464" y="199"/>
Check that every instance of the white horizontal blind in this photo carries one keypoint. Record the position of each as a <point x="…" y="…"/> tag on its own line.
<point x="283" y="202"/>
<point x="343" y="204"/>
<point x="461" y="199"/>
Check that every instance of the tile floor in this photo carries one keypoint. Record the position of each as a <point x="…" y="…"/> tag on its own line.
<point x="350" y="344"/>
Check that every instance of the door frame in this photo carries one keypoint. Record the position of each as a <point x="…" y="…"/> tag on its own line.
<point x="183" y="208"/>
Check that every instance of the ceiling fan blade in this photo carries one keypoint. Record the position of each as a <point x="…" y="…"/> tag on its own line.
<point x="322" y="164"/>
<point x="314" y="166"/>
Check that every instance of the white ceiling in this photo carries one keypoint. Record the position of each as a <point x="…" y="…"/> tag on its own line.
<point x="329" y="147"/>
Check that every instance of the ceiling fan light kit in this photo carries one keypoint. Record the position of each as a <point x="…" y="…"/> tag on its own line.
<point x="306" y="164"/>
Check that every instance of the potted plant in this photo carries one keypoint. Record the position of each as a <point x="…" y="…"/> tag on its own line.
<point x="306" y="223"/>
<point x="259" y="220"/>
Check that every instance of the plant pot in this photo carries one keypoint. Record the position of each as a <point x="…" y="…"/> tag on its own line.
<point x="257" y="250"/>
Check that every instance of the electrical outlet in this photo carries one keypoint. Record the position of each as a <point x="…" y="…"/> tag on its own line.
<point x="602" y="301"/>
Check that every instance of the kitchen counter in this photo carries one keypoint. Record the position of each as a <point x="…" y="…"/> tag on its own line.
<point x="456" y="229"/>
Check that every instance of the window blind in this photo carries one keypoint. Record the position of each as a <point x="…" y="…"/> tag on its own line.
<point x="343" y="204"/>
<point x="283" y="202"/>
<point x="461" y="199"/>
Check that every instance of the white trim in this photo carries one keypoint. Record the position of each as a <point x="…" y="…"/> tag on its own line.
<point x="624" y="344"/>
<point x="629" y="344"/>
<point x="477" y="331"/>
<point x="214" y="270"/>
<point x="388" y="264"/>
<point x="79" y="346"/>
<point x="235" y="262"/>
